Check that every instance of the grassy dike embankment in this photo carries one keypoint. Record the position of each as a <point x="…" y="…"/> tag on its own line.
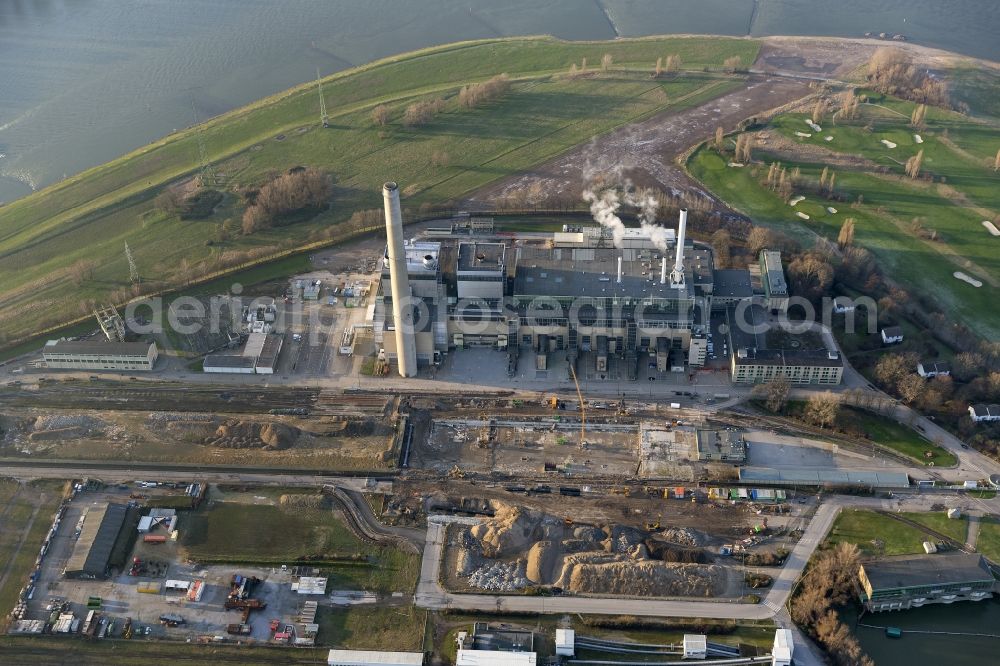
<point x="91" y="215"/>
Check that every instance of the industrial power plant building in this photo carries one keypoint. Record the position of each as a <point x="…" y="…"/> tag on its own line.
<point x="578" y="292"/>
<point x="912" y="581"/>
<point x="99" y="355"/>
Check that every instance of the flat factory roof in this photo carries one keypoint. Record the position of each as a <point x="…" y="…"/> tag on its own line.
<point x="593" y="272"/>
<point x="810" y="477"/>
<point x="97" y="348"/>
<point x="374" y="657"/>
<point x="229" y="361"/>
<point x="481" y="256"/>
<point x="732" y="283"/>
<point x="919" y="570"/>
<point x="494" y="658"/>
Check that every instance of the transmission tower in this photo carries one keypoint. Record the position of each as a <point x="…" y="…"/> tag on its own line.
<point x="133" y="271"/>
<point x="324" y="118"/>
<point x="208" y="177"/>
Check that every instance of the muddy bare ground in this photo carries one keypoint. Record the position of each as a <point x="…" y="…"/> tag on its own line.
<point x="645" y="152"/>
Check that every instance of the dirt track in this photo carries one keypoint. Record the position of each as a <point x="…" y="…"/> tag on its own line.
<point x="645" y="152"/>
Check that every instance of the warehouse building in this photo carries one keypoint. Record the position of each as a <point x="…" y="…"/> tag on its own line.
<point x="91" y="554"/>
<point x="100" y="355"/>
<point x="912" y="581"/>
<point x="258" y="356"/>
<point x="373" y="658"/>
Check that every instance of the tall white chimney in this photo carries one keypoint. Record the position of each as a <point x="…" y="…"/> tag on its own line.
<point x="619" y="270"/>
<point x="402" y="311"/>
<point x="677" y="275"/>
<point x="663" y="270"/>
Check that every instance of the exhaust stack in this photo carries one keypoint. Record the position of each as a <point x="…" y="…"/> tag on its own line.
<point x="402" y="311"/>
<point x="663" y="270"/>
<point x="619" y="270"/>
<point x="677" y="275"/>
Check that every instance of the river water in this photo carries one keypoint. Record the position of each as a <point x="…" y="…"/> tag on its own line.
<point x="83" y="81"/>
<point x="915" y="649"/>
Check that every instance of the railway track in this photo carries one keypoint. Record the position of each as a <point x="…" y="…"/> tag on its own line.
<point x="76" y="467"/>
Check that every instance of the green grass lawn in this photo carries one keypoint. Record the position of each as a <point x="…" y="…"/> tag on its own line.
<point x="21" y="536"/>
<point x="956" y="529"/>
<point x="373" y="627"/>
<point x="989" y="538"/>
<point x="864" y="528"/>
<point x="900" y="438"/>
<point x="958" y="152"/>
<point x="270" y="535"/>
<point x="93" y="214"/>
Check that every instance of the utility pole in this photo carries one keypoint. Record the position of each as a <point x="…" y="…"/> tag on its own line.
<point x="324" y="118"/>
<point x="133" y="270"/>
<point x="208" y="177"/>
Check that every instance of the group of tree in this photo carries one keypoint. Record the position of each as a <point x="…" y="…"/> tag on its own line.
<point x="299" y="189"/>
<point x="827" y="182"/>
<point x="810" y="274"/>
<point x="743" y="151"/>
<point x="422" y="112"/>
<point x="774" y="393"/>
<point x="848" y="106"/>
<point x="188" y="204"/>
<point x="779" y="181"/>
<point x="891" y="71"/>
<point x="732" y="63"/>
<point x="380" y="115"/>
<point x="918" y="116"/>
<point x="722" y="248"/>
<point x="487" y="92"/>
<point x="670" y="65"/>
<point x="827" y="585"/>
<point x="575" y="70"/>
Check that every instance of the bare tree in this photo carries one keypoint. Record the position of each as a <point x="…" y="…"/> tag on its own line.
<point x="846" y="236"/>
<point x="822" y="408"/>
<point x="996" y="161"/>
<point x="486" y="92"/>
<point x="914" y="163"/>
<point x="421" y="113"/>
<point x="891" y="368"/>
<point x="758" y="239"/>
<point x="380" y="115"/>
<point x="658" y="70"/>
<point x="911" y="387"/>
<point x="819" y="110"/>
<point x="606" y="60"/>
<point x="720" y="136"/>
<point x="823" y="176"/>
<point x="732" y="63"/>
<point x="918" y="115"/>
<point x="777" y="393"/>
<point x="811" y="275"/>
<point x="721" y="242"/>
<point x="673" y="63"/>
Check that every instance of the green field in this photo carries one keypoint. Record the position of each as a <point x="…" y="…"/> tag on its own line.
<point x="26" y="513"/>
<point x="93" y="214"/>
<point x="958" y="153"/>
<point x="373" y="627"/>
<point x="267" y="535"/>
<point x="989" y="538"/>
<point x="888" y="433"/>
<point x="864" y="528"/>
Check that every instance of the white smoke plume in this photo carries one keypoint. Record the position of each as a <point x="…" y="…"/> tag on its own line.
<point x="604" y="206"/>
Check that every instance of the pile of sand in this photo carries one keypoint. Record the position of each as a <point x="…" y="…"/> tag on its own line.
<point x="541" y="561"/>
<point x="684" y="536"/>
<point x="236" y="434"/>
<point x="507" y="532"/>
<point x="647" y="578"/>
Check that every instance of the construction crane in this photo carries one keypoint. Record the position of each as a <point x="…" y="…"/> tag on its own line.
<point x="583" y="409"/>
<point x="324" y="118"/>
